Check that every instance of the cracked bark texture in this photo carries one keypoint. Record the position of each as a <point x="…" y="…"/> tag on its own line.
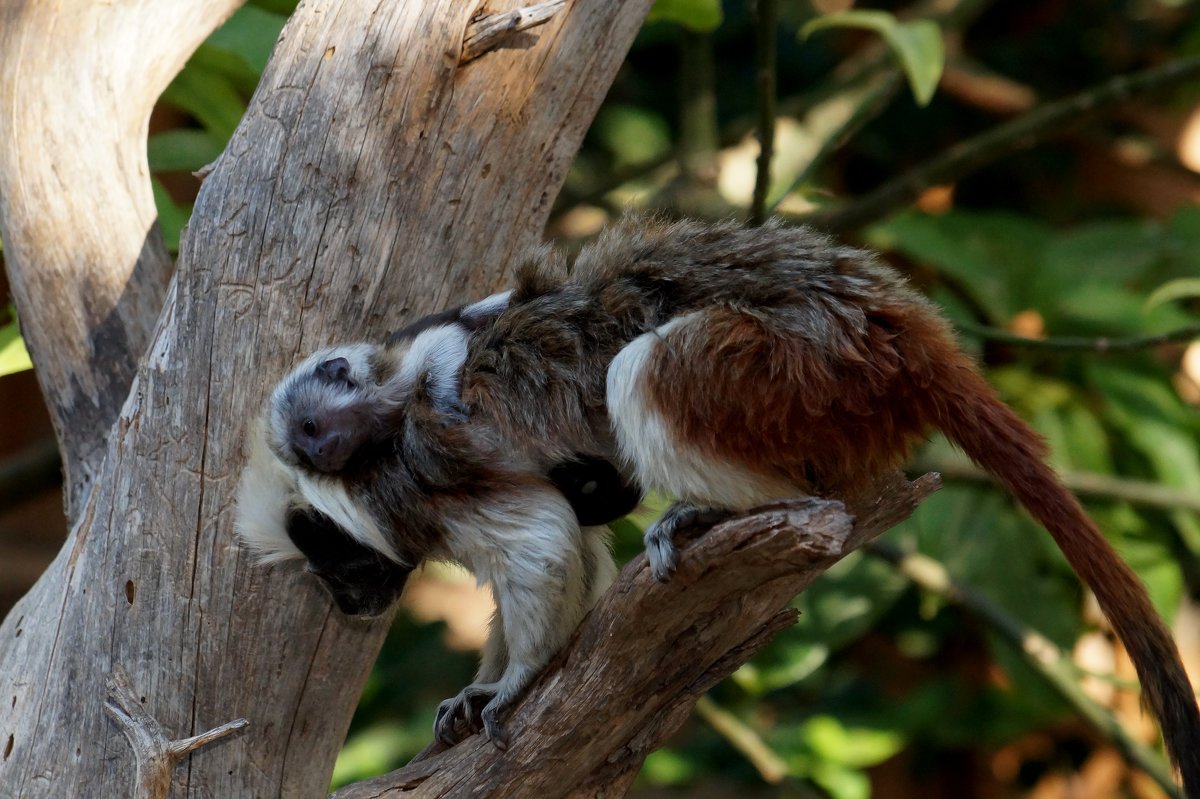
<point x="374" y="177"/>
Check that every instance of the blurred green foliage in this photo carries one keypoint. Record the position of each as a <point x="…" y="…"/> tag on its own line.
<point x="13" y="356"/>
<point x="878" y="672"/>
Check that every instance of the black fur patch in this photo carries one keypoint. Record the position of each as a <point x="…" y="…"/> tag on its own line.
<point x="598" y="493"/>
<point x="361" y="581"/>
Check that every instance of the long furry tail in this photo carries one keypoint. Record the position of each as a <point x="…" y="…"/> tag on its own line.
<point x="972" y="416"/>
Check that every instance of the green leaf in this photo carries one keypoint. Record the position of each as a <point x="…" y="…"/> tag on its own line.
<point x="856" y="747"/>
<point x="837" y="609"/>
<point x="917" y="44"/>
<point x="208" y="96"/>
<point x="994" y="256"/>
<point x="251" y="34"/>
<point x="1184" y="288"/>
<point x="13" y="355"/>
<point x="182" y="149"/>
<point x="695" y="15"/>
<point x="171" y="217"/>
<point x="633" y="135"/>
<point x="666" y="767"/>
<point x="841" y="782"/>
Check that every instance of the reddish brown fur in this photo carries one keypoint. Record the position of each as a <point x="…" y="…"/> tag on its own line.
<point x="739" y="387"/>
<point x="827" y="417"/>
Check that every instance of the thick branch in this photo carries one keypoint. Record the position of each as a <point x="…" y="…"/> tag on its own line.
<point x="649" y="650"/>
<point x="85" y="260"/>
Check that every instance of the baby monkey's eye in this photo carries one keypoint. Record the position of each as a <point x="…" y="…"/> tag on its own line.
<point x="309" y="427"/>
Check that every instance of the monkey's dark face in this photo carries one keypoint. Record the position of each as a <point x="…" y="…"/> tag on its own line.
<point x="324" y="412"/>
<point x="360" y="580"/>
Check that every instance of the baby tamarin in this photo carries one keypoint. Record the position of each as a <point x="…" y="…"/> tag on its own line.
<point x="722" y="365"/>
<point x="366" y="462"/>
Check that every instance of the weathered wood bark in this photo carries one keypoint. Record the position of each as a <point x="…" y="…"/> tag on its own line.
<point x="374" y="177"/>
<point x="86" y="262"/>
<point x="645" y="654"/>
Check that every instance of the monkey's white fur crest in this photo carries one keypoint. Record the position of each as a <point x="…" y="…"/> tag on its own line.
<point x="328" y="495"/>
<point x="264" y="495"/>
<point x="488" y="306"/>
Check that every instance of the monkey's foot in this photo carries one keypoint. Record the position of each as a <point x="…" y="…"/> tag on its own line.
<point x="475" y="709"/>
<point x="660" y="536"/>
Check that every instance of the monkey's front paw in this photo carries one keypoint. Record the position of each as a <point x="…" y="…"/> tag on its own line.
<point x="463" y="715"/>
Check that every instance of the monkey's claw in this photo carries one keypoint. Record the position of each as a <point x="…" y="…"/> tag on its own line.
<point x="465" y="714"/>
<point x="492" y="726"/>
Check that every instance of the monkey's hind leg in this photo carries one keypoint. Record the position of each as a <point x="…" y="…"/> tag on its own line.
<point x="680" y="420"/>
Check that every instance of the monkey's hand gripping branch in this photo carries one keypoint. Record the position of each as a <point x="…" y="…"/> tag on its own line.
<point x="646" y="653"/>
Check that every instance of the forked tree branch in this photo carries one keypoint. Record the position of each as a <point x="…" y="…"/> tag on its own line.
<point x="640" y="660"/>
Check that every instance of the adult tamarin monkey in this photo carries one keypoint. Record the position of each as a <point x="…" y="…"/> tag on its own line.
<point x="725" y="366"/>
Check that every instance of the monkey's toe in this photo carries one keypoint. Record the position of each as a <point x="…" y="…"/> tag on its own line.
<point x="493" y="728"/>
<point x="663" y="560"/>
<point x="661" y="551"/>
<point x="445" y="724"/>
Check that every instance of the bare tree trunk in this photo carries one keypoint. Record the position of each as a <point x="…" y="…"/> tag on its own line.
<point x="374" y="176"/>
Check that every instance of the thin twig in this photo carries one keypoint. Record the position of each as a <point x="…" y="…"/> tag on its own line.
<point x="1018" y="134"/>
<point x="1103" y="486"/>
<point x="766" y="21"/>
<point x="1040" y="653"/>
<point x="1102" y="344"/>
<point x="770" y="765"/>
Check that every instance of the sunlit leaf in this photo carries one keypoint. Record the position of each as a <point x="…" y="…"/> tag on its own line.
<point x="377" y="749"/>
<point x="13" y="355"/>
<point x="857" y="747"/>
<point x="696" y="15"/>
<point x="841" y="782"/>
<point x="1184" y="288"/>
<point x="918" y="45"/>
